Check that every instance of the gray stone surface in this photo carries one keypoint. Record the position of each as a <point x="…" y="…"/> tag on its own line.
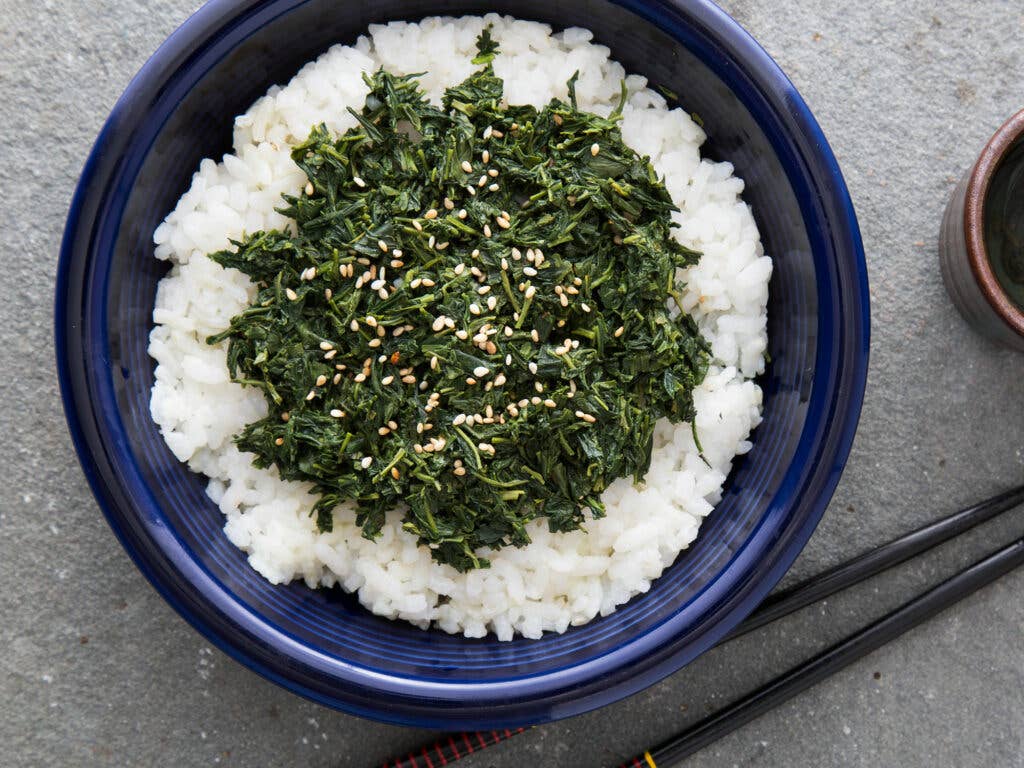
<point x="97" y="670"/>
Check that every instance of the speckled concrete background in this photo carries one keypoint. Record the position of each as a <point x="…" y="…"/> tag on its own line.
<point x="96" y="670"/>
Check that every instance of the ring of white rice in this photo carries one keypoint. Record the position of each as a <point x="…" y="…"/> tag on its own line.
<point x="558" y="580"/>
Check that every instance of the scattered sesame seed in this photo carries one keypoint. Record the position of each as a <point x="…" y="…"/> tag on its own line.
<point x="563" y="299"/>
<point x="538" y="386"/>
<point x="462" y="213"/>
<point x="417" y="226"/>
<point x="584" y="306"/>
<point x="383" y="431"/>
<point x="459" y="268"/>
<point x="395" y="473"/>
<point x="431" y="241"/>
<point x="494" y="187"/>
<point x="448" y="204"/>
<point x="482" y="180"/>
<point x="534" y="335"/>
<point x="535" y="400"/>
<point x="434" y="363"/>
<point x="423" y="385"/>
<point x="550" y="403"/>
<point x="321" y="380"/>
<point x="382" y="245"/>
<point x="471" y="381"/>
<point x="387" y="380"/>
<point x="467" y="166"/>
<point x="530" y="291"/>
<point x="442" y="246"/>
<point x="392" y="424"/>
<point x="410" y="379"/>
<point x="480" y="371"/>
<point x="373" y="343"/>
<point x="483" y="289"/>
<point x="337" y="413"/>
<point x="595" y="148"/>
<point x="428" y="283"/>
<point x="504" y="263"/>
<point x="459" y="471"/>
<point x="438" y="323"/>
<point x="431" y="214"/>
<point x="474" y="309"/>
<point x="279" y="441"/>
<point x="472" y="192"/>
<point x="366" y="462"/>
<point x="358" y="182"/>
<point x="337" y="378"/>
<point x="292" y="296"/>
<point x="462" y="334"/>
<point x="619" y="331"/>
<point x="488" y="131"/>
<point x="311" y="394"/>
<point x="359" y="378"/>
<point x="485" y="156"/>
<point x="460" y="419"/>
<point x="533" y="367"/>
<point x="309" y="188"/>
<point x="418" y="448"/>
<point x="499" y="380"/>
<point x="475" y="254"/>
<point x="529" y="271"/>
<point x="503" y="223"/>
<point x="508" y="330"/>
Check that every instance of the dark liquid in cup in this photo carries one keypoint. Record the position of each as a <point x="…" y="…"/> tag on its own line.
<point x="1004" y="223"/>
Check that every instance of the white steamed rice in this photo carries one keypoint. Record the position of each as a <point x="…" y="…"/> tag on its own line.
<point x="560" y="579"/>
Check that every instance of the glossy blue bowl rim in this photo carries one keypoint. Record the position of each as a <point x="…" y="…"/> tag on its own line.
<point x="235" y="631"/>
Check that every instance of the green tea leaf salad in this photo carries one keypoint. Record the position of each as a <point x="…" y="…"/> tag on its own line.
<point x="474" y="319"/>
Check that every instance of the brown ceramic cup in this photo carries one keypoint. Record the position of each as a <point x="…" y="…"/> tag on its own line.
<point x="966" y="268"/>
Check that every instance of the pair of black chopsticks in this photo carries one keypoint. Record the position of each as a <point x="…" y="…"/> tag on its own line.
<point x="450" y="748"/>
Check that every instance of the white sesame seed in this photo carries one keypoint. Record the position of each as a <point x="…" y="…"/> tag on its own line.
<point x="493" y="173"/>
<point x="563" y="299"/>
<point x="434" y="362"/>
<point x="487" y="230"/>
<point x="482" y="181"/>
<point x="417" y="226"/>
<point x="492" y="302"/>
<point x="508" y="359"/>
<point x="373" y="343"/>
<point x="474" y="309"/>
<point x="431" y="214"/>
<point x="459" y="268"/>
<point x="337" y="378"/>
<point x="594" y="149"/>
<point x="442" y="246"/>
<point x="410" y="379"/>
<point x="550" y="403"/>
<point x="584" y="306"/>
<point x="508" y="330"/>
<point x="485" y="156"/>
<point x="337" y="413"/>
<point x="424" y="385"/>
<point x="366" y="462"/>
<point x="475" y="254"/>
<point x="382" y="245"/>
<point x="462" y="213"/>
<point x="459" y="471"/>
<point x="534" y="335"/>
<point x="358" y="182"/>
<point x="321" y="380"/>
<point x="460" y="419"/>
<point x="392" y="424"/>
<point x="483" y="290"/>
<point x="535" y="400"/>
<point x="438" y="323"/>
<point x="383" y="431"/>
<point x="529" y="271"/>
<point x="533" y="367"/>
<point x="572" y="290"/>
<point x="619" y="331"/>
<point x="503" y="223"/>
<point x="530" y="291"/>
<point x="309" y="188"/>
<point x="448" y="204"/>
<point x="376" y="285"/>
<point x="487" y="132"/>
<point x="387" y="380"/>
<point x="292" y="296"/>
<point x="480" y="371"/>
<point x="415" y="283"/>
<point x="516" y="254"/>
<point x="467" y="166"/>
<point x="462" y="334"/>
<point x="538" y="386"/>
<point x="471" y="381"/>
<point x="431" y="241"/>
<point x="499" y="379"/>
<point x="472" y="192"/>
<point x="504" y="263"/>
<point x="326" y="345"/>
<point x="328" y="293"/>
<point x="428" y="283"/>
<point x="310" y="395"/>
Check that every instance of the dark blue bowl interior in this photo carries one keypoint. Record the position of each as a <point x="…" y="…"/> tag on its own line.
<point x="322" y="643"/>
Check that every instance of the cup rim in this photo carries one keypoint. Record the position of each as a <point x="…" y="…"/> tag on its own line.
<point x="974" y="220"/>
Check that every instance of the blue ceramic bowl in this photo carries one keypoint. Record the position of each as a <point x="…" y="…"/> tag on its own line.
<point x="322" y="644"/>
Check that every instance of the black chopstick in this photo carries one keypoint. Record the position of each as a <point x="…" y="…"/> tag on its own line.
<point x="782" y="603"/>
<point x="881" y="558"/>
<point x="832" y="660"/>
